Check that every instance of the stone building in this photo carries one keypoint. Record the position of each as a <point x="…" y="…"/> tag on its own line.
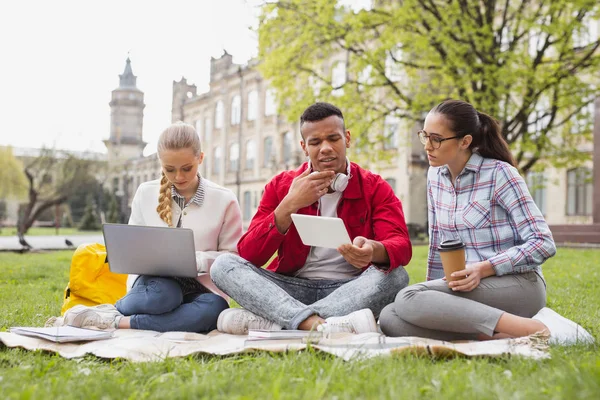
<point x="246" y="143"/>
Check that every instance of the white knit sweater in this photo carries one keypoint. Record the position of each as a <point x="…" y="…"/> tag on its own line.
<point x="217" y="224"/>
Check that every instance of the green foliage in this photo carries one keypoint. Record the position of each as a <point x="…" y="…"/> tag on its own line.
<point x="31" y="288"/>
<point x="77" y="200"/>
<point x="13" y="183"/>
<point x="530" y="64"/>
<point x="90" y="220"/>
<point x="113" y="210"/>
<point x="2" y="214"/>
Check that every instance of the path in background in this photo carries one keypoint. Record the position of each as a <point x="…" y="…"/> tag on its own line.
<point x="11" y="243"/>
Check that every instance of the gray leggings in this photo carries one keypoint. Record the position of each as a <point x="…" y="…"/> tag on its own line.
<point x="432" y="310"/>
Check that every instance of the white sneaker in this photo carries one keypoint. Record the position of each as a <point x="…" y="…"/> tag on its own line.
<point x="361" y="321"/>
<point x="237" y="321"/>
<point x="104" y="316"/>
<point x="563" y="331"/>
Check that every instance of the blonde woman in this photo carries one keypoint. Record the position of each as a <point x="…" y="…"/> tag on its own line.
<point x="181" y="198"/>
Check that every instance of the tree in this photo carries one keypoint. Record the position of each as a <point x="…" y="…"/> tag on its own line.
<point x="78" y="200"/>
<point x="2" y="213"/>
<point x="531" y="64"/>
<point x="90" y="220"/>
<point x="53" y="176"/>
<point x="113" y="210"/>
<point x="12" y="180"/>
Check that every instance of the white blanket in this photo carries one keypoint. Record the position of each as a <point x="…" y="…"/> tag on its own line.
<point x="139" y="346"/>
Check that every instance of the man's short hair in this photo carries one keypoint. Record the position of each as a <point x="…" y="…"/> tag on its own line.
<point x="318" y="112"/>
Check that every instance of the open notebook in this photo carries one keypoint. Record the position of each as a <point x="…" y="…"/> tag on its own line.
<point x="258" y="334"/>
<point x="63" y="334"/>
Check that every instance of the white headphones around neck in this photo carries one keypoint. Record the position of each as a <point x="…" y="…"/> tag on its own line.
<point x="340" y="181"/>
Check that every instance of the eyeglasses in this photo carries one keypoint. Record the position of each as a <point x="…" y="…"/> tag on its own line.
<point x="436" y="141"/>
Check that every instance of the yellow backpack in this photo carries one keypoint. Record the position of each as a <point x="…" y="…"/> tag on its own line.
<point x="90" y="281"/>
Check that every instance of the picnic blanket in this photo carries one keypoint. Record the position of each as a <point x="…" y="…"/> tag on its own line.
<point x="144" y="346"/>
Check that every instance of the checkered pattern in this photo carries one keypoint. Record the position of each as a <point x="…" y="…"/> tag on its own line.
<point x="198" y="198"/>
<point x="490" y="209"/>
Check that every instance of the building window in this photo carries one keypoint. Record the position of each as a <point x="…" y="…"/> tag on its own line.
<point x="217" y="156"/>
<point x="539" y="119"/>
<point x="315" y="84"/>
<point x="537" y="188"/>
<point x="392" y="182"/>
<point x="365" y="76"/>
<point x="252" y="105"/>
<point x="587" y="32"/>
<point x="247" y="206"/>
<point x="234" y="157"/>
<point x="236" y="110"/>
<point x="199" y="128"/>
<point x="270" y="106"/>
<point x="390" y="132"/>
<point x="267" y="151"/>
<point x="207" y="129"/>
<point x="338" y="78"/>
<point x="219" y="114"/>
<point x="579" y="191"/>
<point x="584" y="121"/>
<point x="250" y="153"/>
<point x="393" y="65"/>
<point x="287" y="147"/>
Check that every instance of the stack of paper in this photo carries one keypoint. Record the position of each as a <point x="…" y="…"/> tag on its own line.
<point x="63" y="334"/>
<point x="258" y="334"/>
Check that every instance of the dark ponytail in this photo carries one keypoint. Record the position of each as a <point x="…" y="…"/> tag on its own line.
<point x="491" y="143"/>
<point x="465" y="120"/>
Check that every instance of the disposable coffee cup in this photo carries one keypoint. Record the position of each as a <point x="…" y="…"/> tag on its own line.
<point x="452" y="253"/>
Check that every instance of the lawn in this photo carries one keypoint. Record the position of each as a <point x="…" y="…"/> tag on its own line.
<point x="31" y="288"/>
<point x="44" y="231"/>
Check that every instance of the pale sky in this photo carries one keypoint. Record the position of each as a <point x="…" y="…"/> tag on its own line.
<point x="60" y="60"/>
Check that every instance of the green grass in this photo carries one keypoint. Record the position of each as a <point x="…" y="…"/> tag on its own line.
<point x="42" y="231"/>
<point x="31" y="290"/>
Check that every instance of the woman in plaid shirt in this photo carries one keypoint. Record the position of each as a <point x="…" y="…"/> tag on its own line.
<point x="476" y="194"/>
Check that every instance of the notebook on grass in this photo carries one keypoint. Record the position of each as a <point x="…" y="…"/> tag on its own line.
<point x="257" y="334"/>
<point x="62" y="334"/>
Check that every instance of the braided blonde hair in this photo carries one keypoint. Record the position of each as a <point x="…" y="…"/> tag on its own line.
<point x="176" y="137"/>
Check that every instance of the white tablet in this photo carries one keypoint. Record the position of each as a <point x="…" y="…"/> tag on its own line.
<point x="321" y="231"/>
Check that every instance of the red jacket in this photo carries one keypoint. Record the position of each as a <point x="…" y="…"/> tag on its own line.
<point x="368" y="208"/>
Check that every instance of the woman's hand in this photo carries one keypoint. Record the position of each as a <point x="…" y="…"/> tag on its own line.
<point x="473" y="274"/>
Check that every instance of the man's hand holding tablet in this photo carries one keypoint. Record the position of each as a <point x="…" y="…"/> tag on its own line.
<point x="331" y="233"/>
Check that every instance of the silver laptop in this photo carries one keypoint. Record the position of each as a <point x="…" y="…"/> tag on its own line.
<point x="150" y="250"/>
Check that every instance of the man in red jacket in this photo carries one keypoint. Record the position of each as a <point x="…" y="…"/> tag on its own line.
<point x="306" y="287"/>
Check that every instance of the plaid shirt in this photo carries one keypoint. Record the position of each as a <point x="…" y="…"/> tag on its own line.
<point x="490" y="209"/>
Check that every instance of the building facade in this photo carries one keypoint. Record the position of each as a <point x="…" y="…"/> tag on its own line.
<point x="246" y="143"/>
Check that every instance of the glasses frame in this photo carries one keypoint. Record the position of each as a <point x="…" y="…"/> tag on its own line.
<point x="437" y="143"/>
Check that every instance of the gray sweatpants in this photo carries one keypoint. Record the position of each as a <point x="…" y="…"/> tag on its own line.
<point x="287" y="300"/>
<point x="432" y="310"/>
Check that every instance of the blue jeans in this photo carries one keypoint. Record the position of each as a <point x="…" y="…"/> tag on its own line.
<point x="157" y="304"/>
<point x="288" y="301"/>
